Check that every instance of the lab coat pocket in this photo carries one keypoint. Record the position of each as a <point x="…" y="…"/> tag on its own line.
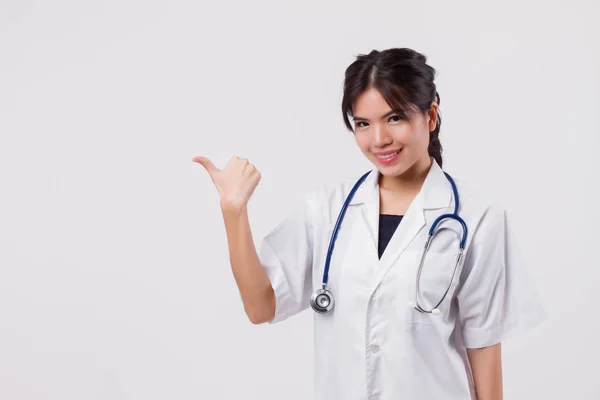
<point x="436" y="281"/>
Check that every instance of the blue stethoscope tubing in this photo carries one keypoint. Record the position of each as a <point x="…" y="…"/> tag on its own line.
<point x="322" y="300"/>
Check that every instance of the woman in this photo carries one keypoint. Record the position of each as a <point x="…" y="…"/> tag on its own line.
<point x="369" y="342"/>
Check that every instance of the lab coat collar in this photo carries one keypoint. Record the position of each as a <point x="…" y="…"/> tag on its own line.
<point x="435" y="193"/>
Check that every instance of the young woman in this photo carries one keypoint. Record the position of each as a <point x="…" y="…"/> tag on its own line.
<point x="397" y="316"/>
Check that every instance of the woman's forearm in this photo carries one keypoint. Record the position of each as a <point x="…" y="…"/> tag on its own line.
<point x="251" y="278"/>
<point x="486" y="364"/>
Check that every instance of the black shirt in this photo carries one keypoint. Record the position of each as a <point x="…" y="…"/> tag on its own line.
<point x="387" y="226"/>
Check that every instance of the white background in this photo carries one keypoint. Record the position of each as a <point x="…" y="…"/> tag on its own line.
<point x="114" y="274"/>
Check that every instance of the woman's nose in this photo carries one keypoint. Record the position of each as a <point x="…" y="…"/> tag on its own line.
<point x="381" y="137"/>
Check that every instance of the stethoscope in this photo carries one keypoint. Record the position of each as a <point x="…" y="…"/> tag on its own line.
<point x="322" y="301"/>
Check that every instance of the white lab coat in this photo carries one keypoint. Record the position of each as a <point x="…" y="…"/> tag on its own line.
<point x="373" y="345"/>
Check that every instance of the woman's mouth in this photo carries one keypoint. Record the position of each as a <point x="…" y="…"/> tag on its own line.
<point x="387" y="157"/>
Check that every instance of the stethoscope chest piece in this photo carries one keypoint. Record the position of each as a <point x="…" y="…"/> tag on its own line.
<point x="322" y="300"/>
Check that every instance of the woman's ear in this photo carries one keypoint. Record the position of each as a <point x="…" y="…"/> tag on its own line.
<point x="433" y="116"/>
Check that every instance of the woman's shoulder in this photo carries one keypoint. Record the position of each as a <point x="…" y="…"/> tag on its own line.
<point x="328" y="196"/>
<point x="472" y="195"/>
<point x="478" y="207"/>
<point x="337" y="187"/>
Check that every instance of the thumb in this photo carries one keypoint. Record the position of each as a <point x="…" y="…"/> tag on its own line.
<point x="207" y="164"/>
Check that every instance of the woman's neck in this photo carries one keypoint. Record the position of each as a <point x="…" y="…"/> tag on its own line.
<point x="410" y="182"/>
<point x="397" y="193"/>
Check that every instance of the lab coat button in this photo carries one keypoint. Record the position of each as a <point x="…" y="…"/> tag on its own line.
<point x="374" y="348"/>
<point x="374" y="398"/>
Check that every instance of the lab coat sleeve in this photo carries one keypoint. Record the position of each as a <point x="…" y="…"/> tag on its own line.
<point x="498" y="297"/>
<point x="286" y="254"/>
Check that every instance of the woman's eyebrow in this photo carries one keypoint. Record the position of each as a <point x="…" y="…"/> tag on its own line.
<point x="357" y="118"/>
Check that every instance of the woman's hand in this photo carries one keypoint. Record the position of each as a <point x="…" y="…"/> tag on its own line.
<point x="235" y="183"/>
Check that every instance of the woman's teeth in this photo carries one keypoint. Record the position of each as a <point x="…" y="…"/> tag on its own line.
<point x="389" y="155"/>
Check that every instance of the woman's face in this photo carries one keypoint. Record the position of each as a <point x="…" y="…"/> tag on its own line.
<point x="393" y="143"/>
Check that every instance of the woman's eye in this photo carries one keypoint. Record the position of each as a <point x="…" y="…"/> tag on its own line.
<point x="359" y="124"/>
<point x="395" y="118"/>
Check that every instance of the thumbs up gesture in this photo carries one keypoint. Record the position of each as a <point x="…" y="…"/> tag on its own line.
<point x="235" y="183"/>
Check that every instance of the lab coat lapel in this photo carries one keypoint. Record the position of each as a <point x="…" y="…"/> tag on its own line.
<point x="434" y="194"/>
<point x="411" y="224"/>
<point x="367" y="198"/>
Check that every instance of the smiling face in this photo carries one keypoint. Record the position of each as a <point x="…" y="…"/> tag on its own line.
<point x="394" y="142"/>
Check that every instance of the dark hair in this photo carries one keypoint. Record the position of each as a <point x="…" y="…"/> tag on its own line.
<point x="405" y="81"/>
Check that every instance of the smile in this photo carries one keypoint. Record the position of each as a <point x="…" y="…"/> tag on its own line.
<point x="387" y="155"/>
